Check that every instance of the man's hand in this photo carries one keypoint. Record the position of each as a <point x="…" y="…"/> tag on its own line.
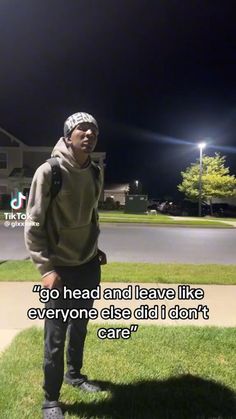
<point x="52" y="280"/>
<point x="102" y="257"/>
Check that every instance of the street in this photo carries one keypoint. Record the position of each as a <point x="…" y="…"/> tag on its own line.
<point x="136" y="243"/>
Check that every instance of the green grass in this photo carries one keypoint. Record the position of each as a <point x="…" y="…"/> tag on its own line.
<point x="135" y="272"/>
<point x="120" y="217"/>
<point x="169" y="273"/>
<point x="160" y="219"/>
<point x="18" y="270"/>
<point x="160" y="373"/>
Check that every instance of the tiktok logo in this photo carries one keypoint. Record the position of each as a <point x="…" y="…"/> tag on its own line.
<point x="17" y="203"/>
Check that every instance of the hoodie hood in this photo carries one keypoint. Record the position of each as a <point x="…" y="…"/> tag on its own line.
<point x="66" y="155"/>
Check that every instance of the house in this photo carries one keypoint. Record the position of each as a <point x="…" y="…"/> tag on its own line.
<point x="117" y="192"/>
<point x="19" y="161"/>
<point x="231" y="200"/>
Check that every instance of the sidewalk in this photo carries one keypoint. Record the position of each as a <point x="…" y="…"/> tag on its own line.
<point x="17" y="297"/>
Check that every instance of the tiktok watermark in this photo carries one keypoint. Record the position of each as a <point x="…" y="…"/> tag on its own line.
<point x="18" y="202"/>
<point x="18" y="219"/>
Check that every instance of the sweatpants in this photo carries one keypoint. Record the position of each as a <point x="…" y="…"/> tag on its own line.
<point x="86" y="276"/>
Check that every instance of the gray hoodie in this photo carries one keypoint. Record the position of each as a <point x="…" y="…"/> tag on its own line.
<point x="68" y="225"/>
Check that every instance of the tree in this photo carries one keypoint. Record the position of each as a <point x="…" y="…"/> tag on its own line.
<point x="216" y="179"/>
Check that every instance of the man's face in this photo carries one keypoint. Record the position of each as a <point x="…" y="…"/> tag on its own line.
<point x="84" y="137"/>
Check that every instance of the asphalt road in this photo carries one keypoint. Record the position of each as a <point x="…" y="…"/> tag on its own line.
<point x="132" y="243"/>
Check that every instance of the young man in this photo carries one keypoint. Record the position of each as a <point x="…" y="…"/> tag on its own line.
<point x="64" y="249"/>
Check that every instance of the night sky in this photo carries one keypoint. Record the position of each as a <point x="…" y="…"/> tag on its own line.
<point x="159" y="76"/>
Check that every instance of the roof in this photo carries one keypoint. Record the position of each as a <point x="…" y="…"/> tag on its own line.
<point x="117" y="187"/>
<point x="9" y="140"/>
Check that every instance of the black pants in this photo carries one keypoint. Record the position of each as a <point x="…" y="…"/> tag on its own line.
<point x="85" y="276"/>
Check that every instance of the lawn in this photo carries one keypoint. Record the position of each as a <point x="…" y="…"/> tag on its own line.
<point x="160" y="373"/>
<point x="135" y="272"/>
<point x="160" y="219"/>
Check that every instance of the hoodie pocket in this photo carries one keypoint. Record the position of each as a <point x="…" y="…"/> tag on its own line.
<point x="78" y="243"/>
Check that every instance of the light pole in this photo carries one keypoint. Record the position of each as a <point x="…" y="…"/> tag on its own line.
<point x="201" y="147"/>
<point x="136" y="184"/>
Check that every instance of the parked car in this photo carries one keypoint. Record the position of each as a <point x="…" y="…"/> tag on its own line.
<point x="183" y="208"/>
<point x="153" y="204"/>
<point x="163" y="207"/>
<point x="152" y="207"/>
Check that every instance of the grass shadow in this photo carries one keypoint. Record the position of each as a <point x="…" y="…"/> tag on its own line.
<point x="182" y="397"/>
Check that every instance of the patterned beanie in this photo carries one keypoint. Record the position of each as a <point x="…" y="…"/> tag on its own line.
<point x="77" y="118"/>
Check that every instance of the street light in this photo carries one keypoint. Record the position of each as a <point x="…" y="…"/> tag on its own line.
<point x="201" y="147"/>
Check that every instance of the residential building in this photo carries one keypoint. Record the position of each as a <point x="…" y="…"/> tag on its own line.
<point x="117" y="192"/>
<point x="18" y="162"/>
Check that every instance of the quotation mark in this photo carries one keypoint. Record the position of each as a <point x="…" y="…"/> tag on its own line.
<point x="133" y="328"/>
<point x="37" y="288"/>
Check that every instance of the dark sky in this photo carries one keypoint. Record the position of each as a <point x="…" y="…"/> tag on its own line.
<point x="159" y="76"/>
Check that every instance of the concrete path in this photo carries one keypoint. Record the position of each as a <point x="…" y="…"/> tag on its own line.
<point x="16" y="298"/>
